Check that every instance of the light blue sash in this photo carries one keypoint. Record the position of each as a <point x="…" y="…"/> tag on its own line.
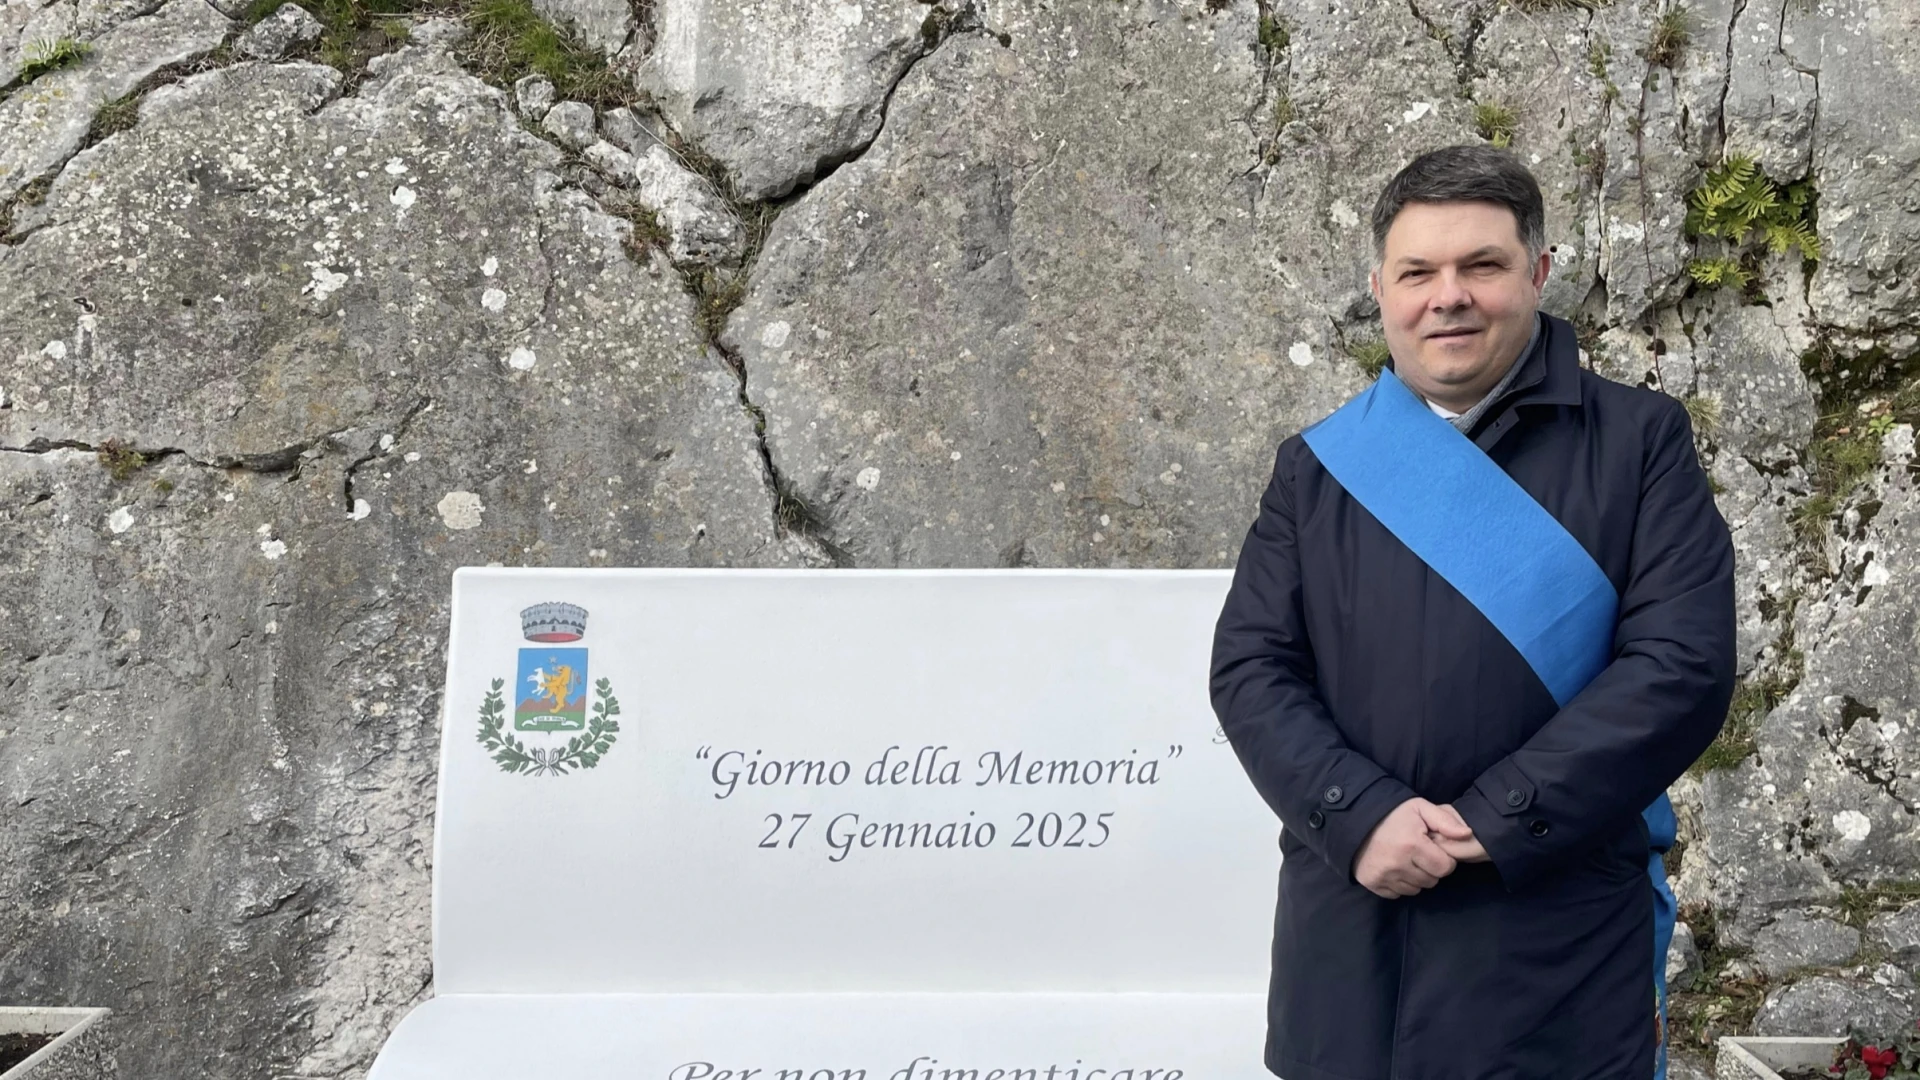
<point x="1447" y="501"/>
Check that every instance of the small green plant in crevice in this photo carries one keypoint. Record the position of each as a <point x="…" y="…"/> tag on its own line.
<point x="1495" y="122"/>
<point x="353" y="32"/>
<point x="51" y="55"/>
<point x="1841" y="460"/>
<point x="1284" y="112"/>
<point x="1599" y="56"/>
<point x="1371" y="354"/>
<point x="1869" y="383"/>
<point x="32" y="195"/>
<point x="1672" y="32"/>
<point x="716" y="294"/>
<point x="1275" y="33"/>
<point x="1718" y="271"/>
<point x="119" y="459"/>
<point x="1838" y="463"/>
<point x="1860" y="903"/>
<point x="1704" y="412"/>
<point x="1717" y="1002"/>
<point x="1588" y="337"/>
<point x="1754" y="697"/>
<point x="511" y="40"/>
<point x="1591" y="160"/>
<point x="1737" y="202"/>
<point x="1858" y="390"/>
<point x="114" y="117"/>
<point x="1861" y="399"/>
<point x="257" y="10"/>
<point x="1559" y="5"/>
<point x="649" y="232"/>
<point x="936" y="26"/>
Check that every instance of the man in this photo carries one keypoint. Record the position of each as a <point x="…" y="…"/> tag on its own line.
<point x="1459" y="660"/>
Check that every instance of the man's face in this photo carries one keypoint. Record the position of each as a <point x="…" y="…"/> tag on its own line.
<point x="1457" y="295"/>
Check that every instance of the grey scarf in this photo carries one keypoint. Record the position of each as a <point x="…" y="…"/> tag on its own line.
<point x="1466" y="420"/>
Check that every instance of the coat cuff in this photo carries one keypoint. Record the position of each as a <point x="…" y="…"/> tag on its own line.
<point x="1345" y="816"/>
<point x="1499" y="809"/>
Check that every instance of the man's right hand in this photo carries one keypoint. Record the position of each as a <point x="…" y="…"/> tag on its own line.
<point x="1399" y="858"/>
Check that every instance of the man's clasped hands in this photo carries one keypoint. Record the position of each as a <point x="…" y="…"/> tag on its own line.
<point x="1413" y="848"/>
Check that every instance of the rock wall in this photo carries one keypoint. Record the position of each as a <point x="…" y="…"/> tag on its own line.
<point x="846" y="283"/>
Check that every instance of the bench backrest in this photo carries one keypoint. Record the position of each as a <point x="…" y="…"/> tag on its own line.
<point x="842" y="781"/>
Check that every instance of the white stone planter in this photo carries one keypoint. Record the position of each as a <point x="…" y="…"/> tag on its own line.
<point x="1757" y="1057"/>
<point x="81" y="1049"/>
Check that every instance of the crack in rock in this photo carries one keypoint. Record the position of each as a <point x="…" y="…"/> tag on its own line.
<point x="1726" y="85"/>
<point x="382" y="447"/>
<point x="793" y="514"/>
<point x="268" y="463"/>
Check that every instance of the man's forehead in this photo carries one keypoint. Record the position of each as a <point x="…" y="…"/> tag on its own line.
<point x="1432" y="231"/>
<point x="1423" y="258"/>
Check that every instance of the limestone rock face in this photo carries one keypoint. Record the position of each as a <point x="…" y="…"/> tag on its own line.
<point x="1828" y="1006"/>
<point x="356" y="358"/>
<point x="1898" y="933"/>
<point x="934" y="333"/>
<point x="873" y="283"/>
<point x="779" y="90"/>
<point x="1795" y="941"/>
<point x="1829" y="799"/>
<point x="273" y="36"/>
<point x="46" y="120"/>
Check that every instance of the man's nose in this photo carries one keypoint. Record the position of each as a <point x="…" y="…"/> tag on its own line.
<point x="1450" y="293"/>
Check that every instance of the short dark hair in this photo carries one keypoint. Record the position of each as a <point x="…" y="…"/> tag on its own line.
<point x="1467" y="173"/>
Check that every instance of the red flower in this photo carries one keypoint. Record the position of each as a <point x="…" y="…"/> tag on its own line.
<point x="1878" y="1061"/>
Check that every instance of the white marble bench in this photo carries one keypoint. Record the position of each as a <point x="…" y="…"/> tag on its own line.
<point x="944" y="825"/>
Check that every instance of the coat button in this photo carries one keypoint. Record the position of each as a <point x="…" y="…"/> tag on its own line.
<point x="1333" y="794"/>
<point x="1538" y="828"/>
<point x="1316" y="819"/>
<point x="1516" y="797"/>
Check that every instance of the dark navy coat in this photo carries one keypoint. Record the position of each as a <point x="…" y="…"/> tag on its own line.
<point x="1349" y="677"/>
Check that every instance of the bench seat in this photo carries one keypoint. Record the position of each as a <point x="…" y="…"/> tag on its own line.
<point x="858" y="825"/>
<point x="828" y="1037"/>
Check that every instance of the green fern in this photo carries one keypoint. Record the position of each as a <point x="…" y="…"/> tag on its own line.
<point x="1737" y="201"/>
<point x="1793" y="234"/>
<point x="1714" y="273"/>
<point x="51" y="54"/>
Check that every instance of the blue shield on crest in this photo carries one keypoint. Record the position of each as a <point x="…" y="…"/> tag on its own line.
<point x="552" y="690"/>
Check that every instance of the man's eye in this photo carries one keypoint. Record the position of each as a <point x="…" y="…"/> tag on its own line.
<point x="1411" y="274"/>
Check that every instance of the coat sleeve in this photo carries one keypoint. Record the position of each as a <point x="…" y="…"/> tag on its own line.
<point x="1651" y="712"/>
<point x="1327" y="794"/>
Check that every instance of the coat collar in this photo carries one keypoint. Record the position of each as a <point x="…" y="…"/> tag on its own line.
<point x="1550" y="373"/>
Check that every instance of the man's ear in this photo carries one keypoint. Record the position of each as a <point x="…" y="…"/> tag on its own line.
<point x="1541" y="268"/>
<point x="1373" y="283"/>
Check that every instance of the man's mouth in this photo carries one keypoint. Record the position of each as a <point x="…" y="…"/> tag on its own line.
<point x="1455" y="332"/>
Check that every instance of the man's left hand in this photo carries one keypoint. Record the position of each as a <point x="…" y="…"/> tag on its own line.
<point x="1467" y="850"/>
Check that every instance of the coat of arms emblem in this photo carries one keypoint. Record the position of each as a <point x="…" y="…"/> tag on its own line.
<point x="564" y="730"/>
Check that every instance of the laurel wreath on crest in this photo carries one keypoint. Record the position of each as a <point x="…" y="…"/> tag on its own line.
<point x="583" y="751"/>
